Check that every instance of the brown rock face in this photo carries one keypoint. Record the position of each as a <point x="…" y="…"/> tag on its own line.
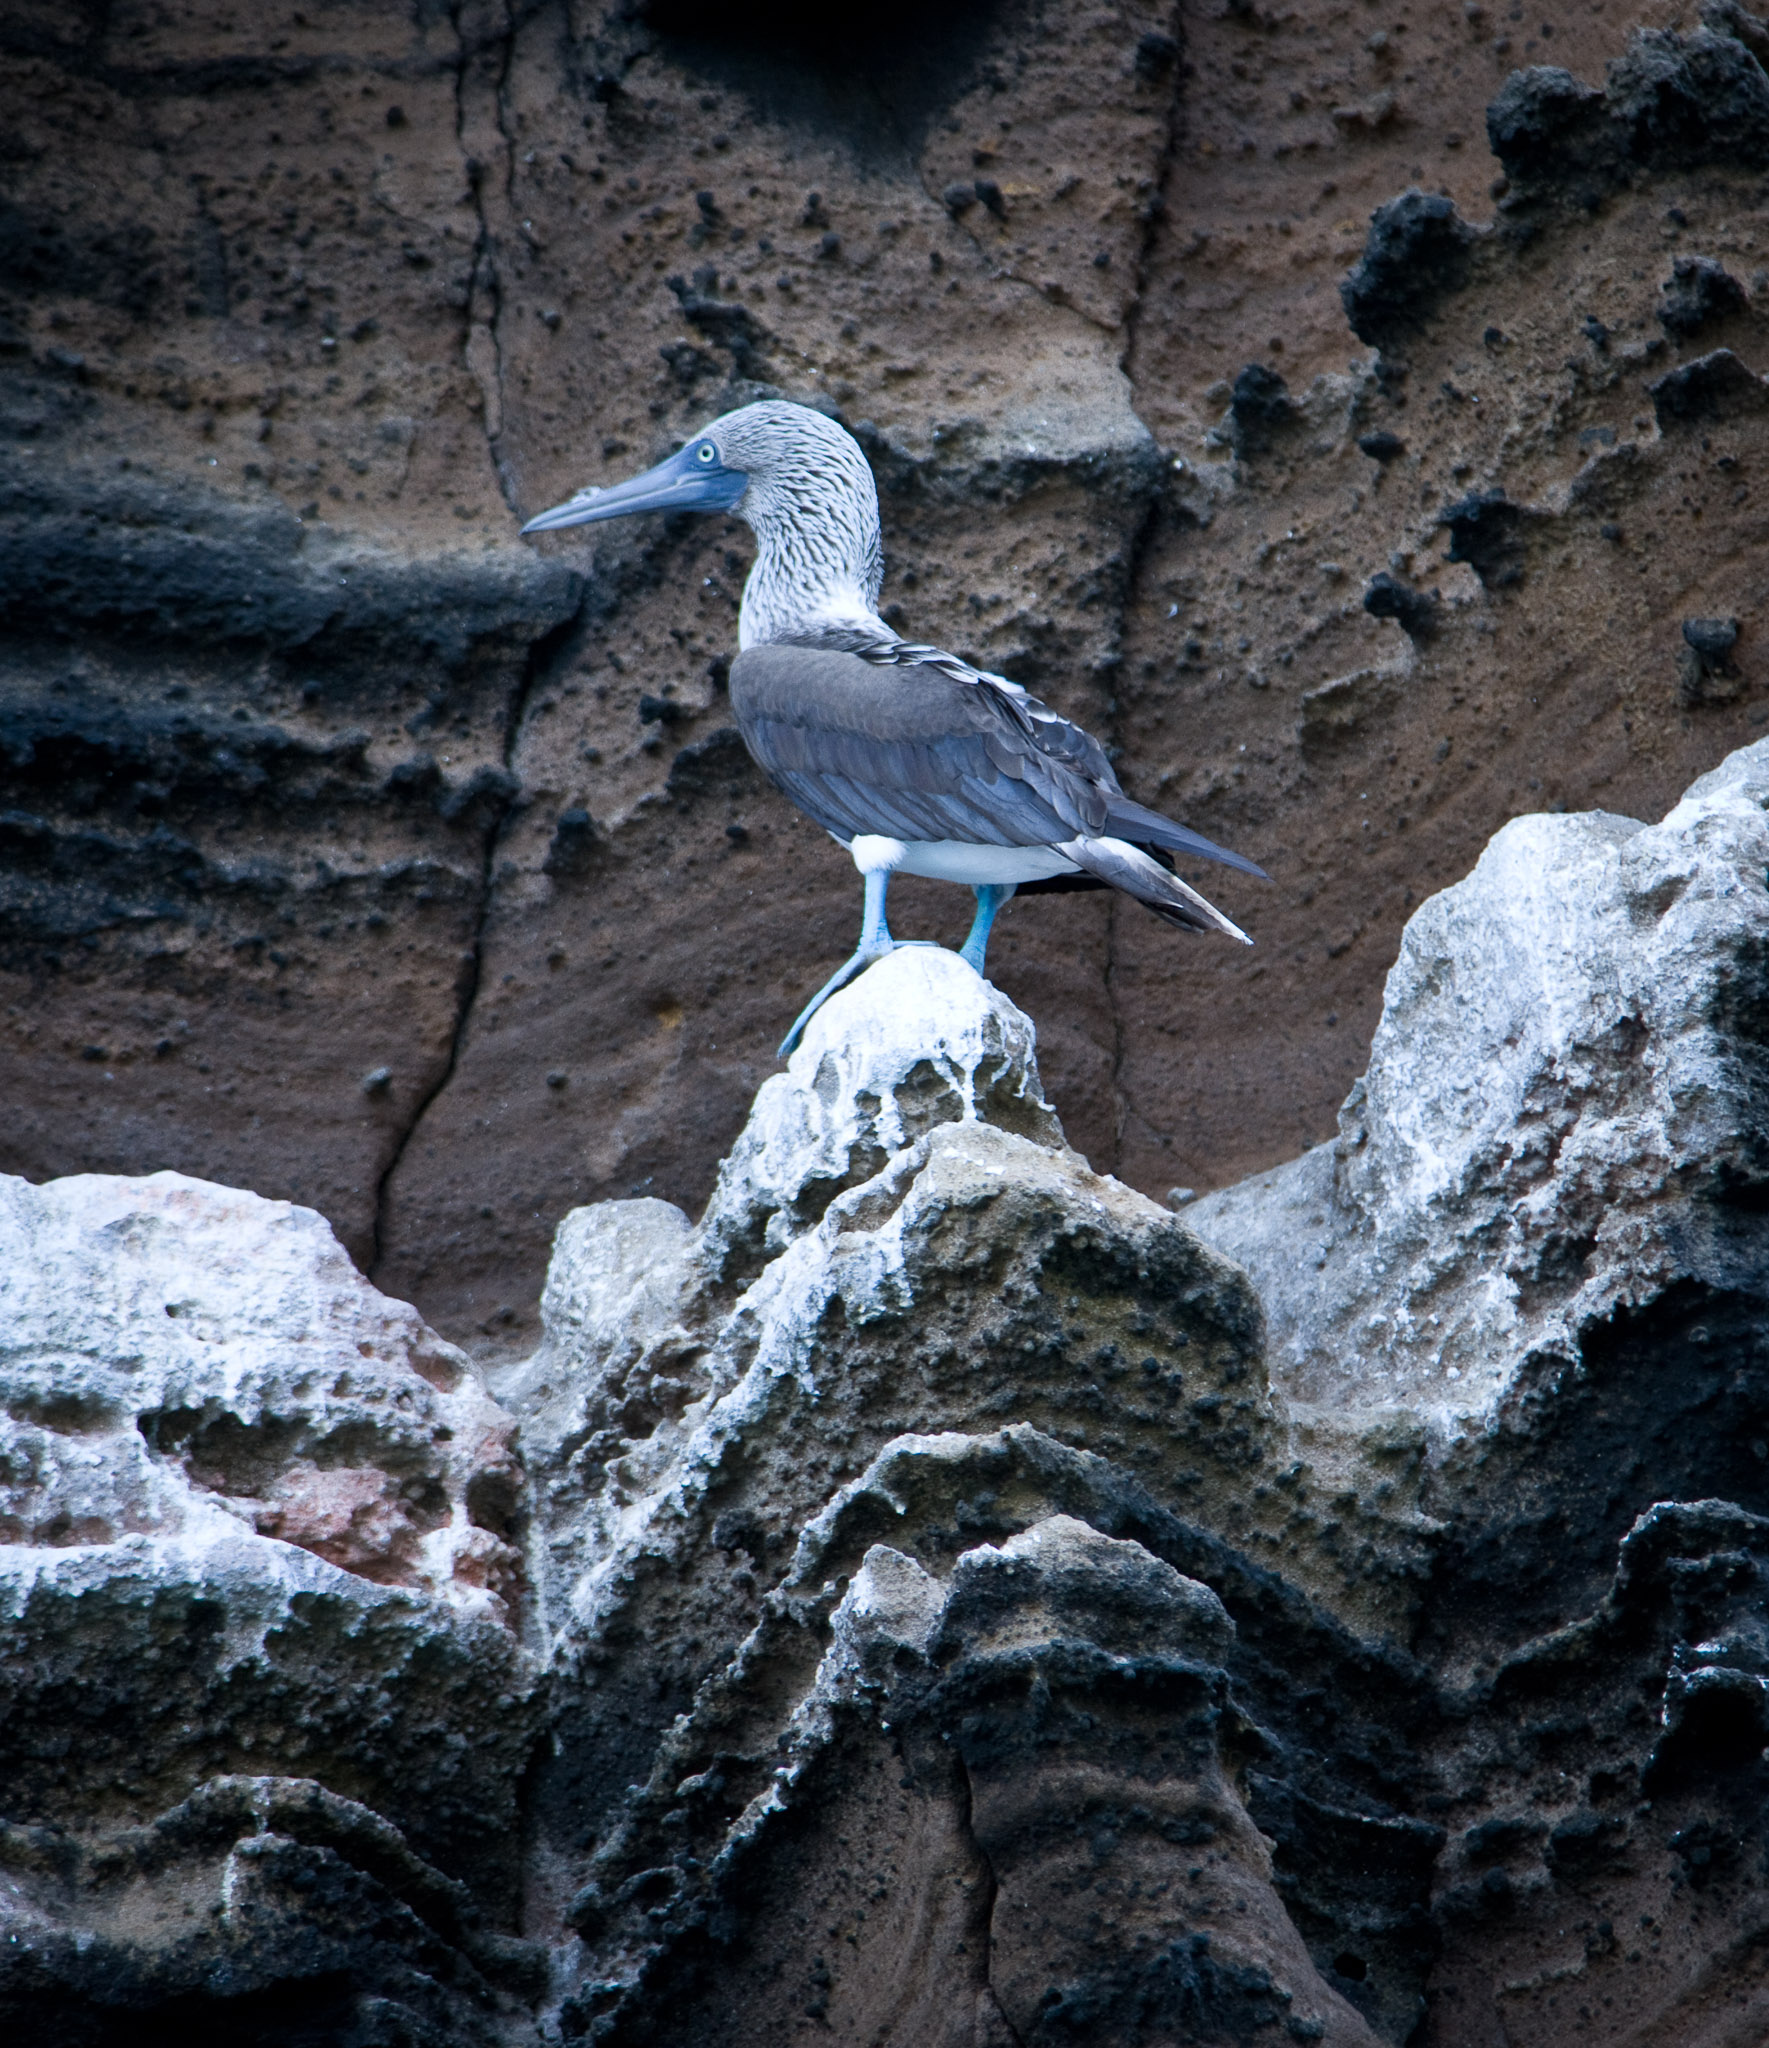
<point x="355" y="853"/>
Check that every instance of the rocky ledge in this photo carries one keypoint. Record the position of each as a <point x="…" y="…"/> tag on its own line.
<point x="942" y="1597"/>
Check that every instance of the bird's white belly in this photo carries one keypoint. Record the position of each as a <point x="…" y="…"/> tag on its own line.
<point x="959" y="860"/>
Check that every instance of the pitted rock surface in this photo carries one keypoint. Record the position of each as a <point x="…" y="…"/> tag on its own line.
<point x="356" y="852"/>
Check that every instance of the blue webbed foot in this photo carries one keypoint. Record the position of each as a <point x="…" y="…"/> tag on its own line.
<point x="856" y="963"/>
<point x="875" y="943"/>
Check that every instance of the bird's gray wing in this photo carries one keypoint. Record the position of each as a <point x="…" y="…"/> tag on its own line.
<point x="1012" y="706"/>
<point x="906" y="750"/>
<point x="1029" y="742"/>
<point x="1061" y="747"/>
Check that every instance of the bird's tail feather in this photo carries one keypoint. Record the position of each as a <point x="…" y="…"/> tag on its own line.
<point x="1140" y="825"/>
<point x="1122" y="866"/>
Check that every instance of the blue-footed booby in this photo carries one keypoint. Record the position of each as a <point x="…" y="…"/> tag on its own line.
<point x="915" y="761"/>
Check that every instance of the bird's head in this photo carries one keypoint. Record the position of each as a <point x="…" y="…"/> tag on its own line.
<point x="764" y="462"/>
<point x="798" y="480"/>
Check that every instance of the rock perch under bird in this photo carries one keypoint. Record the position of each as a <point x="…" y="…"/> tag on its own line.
<point x="912" y="759"/>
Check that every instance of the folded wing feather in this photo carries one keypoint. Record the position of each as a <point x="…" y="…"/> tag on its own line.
<point x="937" y="750"/>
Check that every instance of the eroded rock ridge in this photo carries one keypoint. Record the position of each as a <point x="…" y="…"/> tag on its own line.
<point x="941" y="1596"/>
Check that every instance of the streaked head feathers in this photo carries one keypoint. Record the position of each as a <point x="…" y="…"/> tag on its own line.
<point x="802" y="485"/>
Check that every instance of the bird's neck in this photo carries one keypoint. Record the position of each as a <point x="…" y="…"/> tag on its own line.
<point x="812" y="575"/>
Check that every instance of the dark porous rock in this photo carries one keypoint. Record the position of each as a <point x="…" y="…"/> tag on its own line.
<point x="1418" y="251"/>
<point x="128" y="554"/>
<point x="1712" y="639"/>
<point x="661" y="710"/>
<point x="1381" y="445"/>
<point x="1260" y="408"/>
<point x="1546" y="125"/>
<point x="574" y="842"/>
<point x="1729" y="18"/>
<point x="727" y="323"/>
<point x="1681" y="101"/>
<point x="1712" y="388"/>
<point x="1156" y="53"/>
<point x="719" y="765"/>
<point x="1672" y="102"/>
<point x="1706" y="672"/>
<point x="688" y="364"/>
<point x="1487" y="532"/>
<point x="416" y="776"/>
<point x="1698" y="292"/>
<point x="483" y="796"/>
<point x="1415" y="611"/>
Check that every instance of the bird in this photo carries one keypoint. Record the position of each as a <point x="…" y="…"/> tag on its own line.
<point x="914" y="760"/>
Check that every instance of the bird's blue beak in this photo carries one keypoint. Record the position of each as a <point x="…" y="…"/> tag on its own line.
<point x="692" y="480"/>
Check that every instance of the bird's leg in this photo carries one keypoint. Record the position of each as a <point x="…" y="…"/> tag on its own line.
<point x="875" y="943"/>
<point x="990" y="897"/>
<point x="875" y="933"/>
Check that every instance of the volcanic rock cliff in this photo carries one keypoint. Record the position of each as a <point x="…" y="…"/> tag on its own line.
<point x="942" y="1596"/>
<point x="839" y="1554"/>
<point x="1350" y="411"/>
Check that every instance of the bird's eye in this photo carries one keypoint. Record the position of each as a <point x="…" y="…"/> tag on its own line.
<point x="706" y="452"/>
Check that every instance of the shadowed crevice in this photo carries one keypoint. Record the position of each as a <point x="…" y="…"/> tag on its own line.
<point x="1156" y="210"/>
<point x="985" y="1914"/>
<point x="875" y="81"/>
<point x="1143" y="540"/>
<point x="543" y="656"/>
<point x="540" y="657"/>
